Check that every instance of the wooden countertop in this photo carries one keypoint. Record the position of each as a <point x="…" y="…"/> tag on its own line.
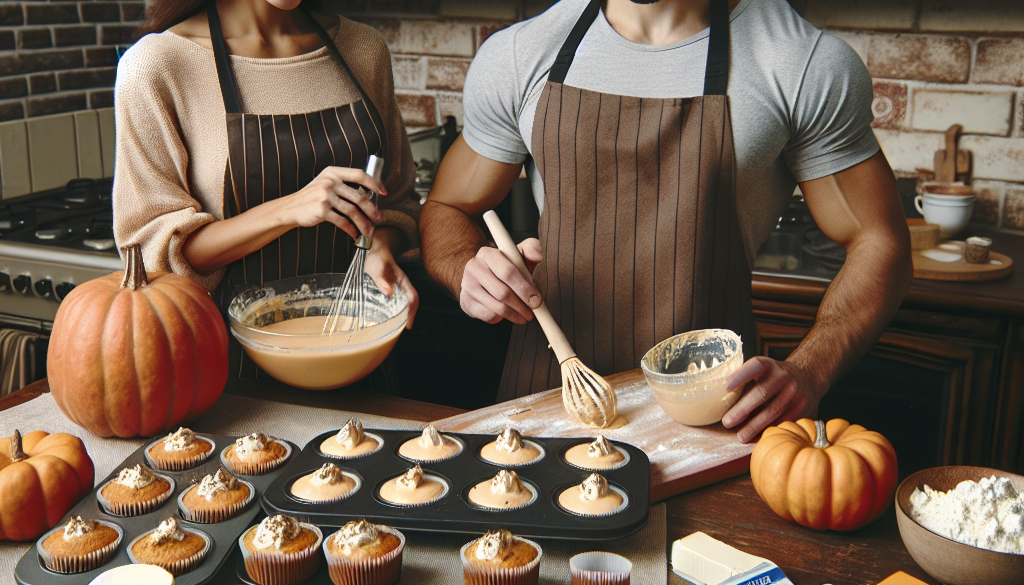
<point x="730" y="511"/>
<point x="1004" y="297"/>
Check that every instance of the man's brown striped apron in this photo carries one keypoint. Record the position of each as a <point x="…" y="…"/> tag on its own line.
<point x="271" y="156"/>
<point x="639" y="229"/>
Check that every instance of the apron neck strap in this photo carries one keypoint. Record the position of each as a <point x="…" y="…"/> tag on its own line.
<point x="716" y="73"/>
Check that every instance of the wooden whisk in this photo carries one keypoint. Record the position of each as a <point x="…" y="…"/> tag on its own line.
<point x="587" y="397"/>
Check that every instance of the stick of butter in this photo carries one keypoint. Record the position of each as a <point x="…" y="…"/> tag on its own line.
<point x="702" y="560"/>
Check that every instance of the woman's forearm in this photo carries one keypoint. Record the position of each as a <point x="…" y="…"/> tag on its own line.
<point x="220" y="243"/>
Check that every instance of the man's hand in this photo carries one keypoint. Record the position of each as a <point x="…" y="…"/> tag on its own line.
<point x="493" y="288"/>
<point x="776" y="391"/>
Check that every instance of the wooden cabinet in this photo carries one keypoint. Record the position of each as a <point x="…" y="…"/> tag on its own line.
<point x="944" y="384"/>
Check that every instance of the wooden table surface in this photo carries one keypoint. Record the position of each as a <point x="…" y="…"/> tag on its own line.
<point x="730" y="511"/>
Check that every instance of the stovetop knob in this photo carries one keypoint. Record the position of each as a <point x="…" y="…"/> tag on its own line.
<point x="63" y="289"/>
<point x="22" y="283"/>
<point x="44" y="288"/>
<point x="5" y="282"/>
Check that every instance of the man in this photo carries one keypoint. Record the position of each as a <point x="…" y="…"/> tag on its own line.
<point x="664" y="151"/>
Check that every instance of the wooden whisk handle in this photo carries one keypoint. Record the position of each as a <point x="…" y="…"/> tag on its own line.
<point x="559" y="344"/>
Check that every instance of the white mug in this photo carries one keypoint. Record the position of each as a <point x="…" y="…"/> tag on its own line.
<point x="951" y="213"/>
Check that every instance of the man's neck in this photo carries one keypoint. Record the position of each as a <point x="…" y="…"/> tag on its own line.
<point x="660" y="23"/>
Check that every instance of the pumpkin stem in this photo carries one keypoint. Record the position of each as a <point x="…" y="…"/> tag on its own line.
<point x="821" y="438"/>
<point x="134" y="269"/>
<point x="17" y="454"/>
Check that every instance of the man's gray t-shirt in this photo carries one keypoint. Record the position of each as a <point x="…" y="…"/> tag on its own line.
<point x="800" y="99"/>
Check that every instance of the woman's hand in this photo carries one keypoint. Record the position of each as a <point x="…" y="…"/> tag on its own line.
<point x="381" y="266"/>
<point x="328" y="198"/>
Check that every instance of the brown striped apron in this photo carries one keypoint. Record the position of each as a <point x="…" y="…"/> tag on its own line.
<point x="271" y="156"/>
<point x="639" y="230"/>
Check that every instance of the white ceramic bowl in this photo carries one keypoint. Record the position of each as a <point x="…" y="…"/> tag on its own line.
<point x="951" y="213"/>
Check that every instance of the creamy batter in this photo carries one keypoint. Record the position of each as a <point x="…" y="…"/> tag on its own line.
<point x="350" y="441"/>
<point x="504" y="491"/>
<point x="320" y="362"/>
<point x="430" y="446"/>
<point x="600" y="454"/>
<point x="593" y="497"/>
<point x="412" y="488"/>
<point x="510" y="449"/>
<point x="326" y="484"/>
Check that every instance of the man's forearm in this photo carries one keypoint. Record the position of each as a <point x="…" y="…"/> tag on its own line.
<point x="449" y="238"/>
<point x="856" y="309"/>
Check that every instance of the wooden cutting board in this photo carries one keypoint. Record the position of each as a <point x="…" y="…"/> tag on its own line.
<point x="961" y="270"/>
<point x="682" y="458"/>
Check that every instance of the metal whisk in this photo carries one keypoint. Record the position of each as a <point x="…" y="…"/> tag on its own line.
<point x="587" y="396"/>
<point x="350" y="299"/>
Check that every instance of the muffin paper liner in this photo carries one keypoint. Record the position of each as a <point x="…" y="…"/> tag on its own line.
<point x="618" y="465"/>
<point x="380" y="445"/>
<point x="456" y="440"/>
<point x="136" y="508"/>
<point x="600" y="568"/>
<point x="181" y="566"/>
<point x="383" y="570"/>
<point x="243" y="468"/>
<point x="537" y="459"/>
<point x="481" y="507"/>
<point x="282" y="569"/>
<point x="214" y="516"/>
<point x="184" y="463"/>
<point x="528" y="574"/>
<point x="426" y="476"/>
<point x="80" y="563"/>
<point x="621" y="507"/>
<point x="355" y="478"/>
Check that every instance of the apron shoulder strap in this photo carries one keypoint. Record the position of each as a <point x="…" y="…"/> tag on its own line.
<point x="716" y="73"/>
<point x="568" y="51"/>
<point x="220" y="56"/>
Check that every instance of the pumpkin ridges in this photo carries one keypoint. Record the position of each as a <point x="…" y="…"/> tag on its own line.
<point x="878" y="455"/>
<point x="122" y="402"/>
<point x="211" y="345"/>
<point x="811" y="468"/>
<point x="849" y="471"/>
<point x="781" y="459"/>
<point x="153" y="358"/>
<point x="184" y="353"/>
<point x="81" y="360"/>
<point x="20" y="491"/>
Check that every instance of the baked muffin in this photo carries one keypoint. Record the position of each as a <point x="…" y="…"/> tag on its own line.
<point x="255" y="454"/>
<point x="351" y="442"/>
<point x="175" y="549"/>
<point x="430" y="447"/>
<point x="362" y="553"/>
<point x="598" y="455"/>
<point x="281" y="551"/>
<point x="179" y="450"/>
<point x="413" y="488"/>
<point x="136" y="490"/>
<point x="510" y="450"/>
<point x="217" y="497"/>
<point x="504" y="492"/>
<point x="327" y="484"/>
<point x="498" y="558"/>
<point x="80" y="545"/>
<point x="593" y="497"/>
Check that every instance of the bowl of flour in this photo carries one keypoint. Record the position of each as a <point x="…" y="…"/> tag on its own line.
<point x="964" y="525"/>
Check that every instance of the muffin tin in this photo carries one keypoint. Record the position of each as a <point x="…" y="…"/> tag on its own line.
<point x="30" y="570"/>
<point x="544" y="518"/>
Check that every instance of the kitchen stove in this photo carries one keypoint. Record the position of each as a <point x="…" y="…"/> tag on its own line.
<point x="51" y="242"/>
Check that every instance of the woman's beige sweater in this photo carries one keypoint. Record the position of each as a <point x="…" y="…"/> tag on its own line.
<point x="171" y="135"/>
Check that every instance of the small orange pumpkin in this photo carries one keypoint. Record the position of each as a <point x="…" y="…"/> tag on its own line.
<point x="132" y="354"/>
<point x="834" y="476"/>
<point x="41" y="477"/>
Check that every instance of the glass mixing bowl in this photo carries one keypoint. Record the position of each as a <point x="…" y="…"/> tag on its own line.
<point x="689" y="373"/>
<point x="297" y="353"/>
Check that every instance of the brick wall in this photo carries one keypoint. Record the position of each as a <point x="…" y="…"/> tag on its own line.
<point x="60" y="56"/>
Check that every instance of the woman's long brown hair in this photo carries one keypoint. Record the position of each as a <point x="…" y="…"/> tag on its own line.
<point x="163" y="14"/>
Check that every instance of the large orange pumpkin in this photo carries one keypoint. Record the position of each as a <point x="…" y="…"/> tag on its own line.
<point x="833" y="476"/>
<point x="41" y="477"/>
<point x="132" y="354"/>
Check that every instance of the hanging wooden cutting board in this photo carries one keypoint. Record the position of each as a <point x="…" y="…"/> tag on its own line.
<point x="929" y="269"/>
<point x="682" y="458"/>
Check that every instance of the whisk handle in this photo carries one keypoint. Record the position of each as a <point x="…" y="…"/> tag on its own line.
<point x="559" y="344"/>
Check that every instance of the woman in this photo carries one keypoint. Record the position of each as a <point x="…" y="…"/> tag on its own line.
<point x="239" y="123"/>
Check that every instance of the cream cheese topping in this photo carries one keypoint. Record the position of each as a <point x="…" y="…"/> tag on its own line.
<point x="431" y="439"/>
<point x="214" y="483"/>
<point x="251" y="443"/>
<point x="411" y="479"/>
<point x="494" y="545"/>
<point x="276" y="531"/>
<point x="506" y="482"/>
<point x="179" y="440"/>
<point x="136" y="477"/>
<point x="356" y="534"/>
<point x="593" y="488"/>
<point x="328" y="474"/>
<point x="351" y="434"/>
<point x="77" y="527"/>
<point x="167" y="532"/>
<point x="600" y="447"/>
<point x="509" y="440"/>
